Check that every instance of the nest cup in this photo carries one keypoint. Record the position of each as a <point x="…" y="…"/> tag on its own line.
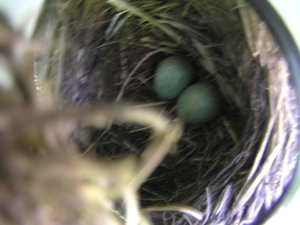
<point x="230" y="170"/>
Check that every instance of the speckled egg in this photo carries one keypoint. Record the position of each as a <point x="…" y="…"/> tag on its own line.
<point x="199" y="103"/>
<point x="172" y="76"/>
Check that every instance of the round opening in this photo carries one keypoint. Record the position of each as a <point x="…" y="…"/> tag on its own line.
<point x="174" y="112"/>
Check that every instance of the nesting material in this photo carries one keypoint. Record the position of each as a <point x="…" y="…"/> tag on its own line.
<point x="92" y="56"/>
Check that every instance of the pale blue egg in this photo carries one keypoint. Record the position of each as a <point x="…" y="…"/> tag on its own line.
<point x="172" y="76"/>
<point x="199" y="103"/>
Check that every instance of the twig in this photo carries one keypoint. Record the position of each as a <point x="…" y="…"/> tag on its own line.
<point x="125" y="83"/>
<point x="178" y="208"/>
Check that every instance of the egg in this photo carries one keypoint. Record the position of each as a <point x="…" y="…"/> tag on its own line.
<point x="172" y="76"/>
<point x="199" y="103"/>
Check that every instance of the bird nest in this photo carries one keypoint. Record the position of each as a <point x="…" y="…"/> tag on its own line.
<point x="93" y="141"/>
